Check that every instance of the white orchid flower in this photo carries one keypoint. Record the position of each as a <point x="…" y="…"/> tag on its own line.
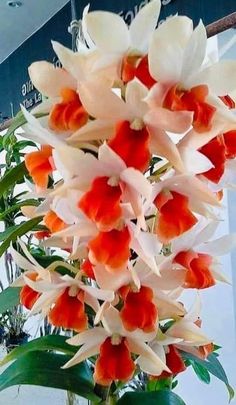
<point x="187" y="329"/>
<point x="109" y="109"/>
<point x="114" y="40"/>
<point x="92" y="339"/>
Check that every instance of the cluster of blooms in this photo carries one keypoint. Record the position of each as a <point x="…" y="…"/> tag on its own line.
<point x="135" y="209"/>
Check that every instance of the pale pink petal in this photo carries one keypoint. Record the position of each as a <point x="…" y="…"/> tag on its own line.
<point x="167" y="307"/>
<point x="94" y="130"/>
<point x="67" y="160"/>
<point x="45" y="301"/>
<point x="162" y="145"/>
<point x="136" y="180"/>
<point x="50" y="80"/>
<point x="101" y="102"/>
<point x="157" y="95"/>
<point x="194" y="161"/>
<point x="91" y="302"/>
<point x="103" y="295"/>
<point x="106" y="279"/>
<point x="172" y="121"/>
<point x="89" y="337"/>
<point x="143" y="25"/>
<point x="108" y="31"/>
<point x="135" y="95"/>
<point x="72" y="62"/>
<point x="21" y="261"/>
<point x="19" y="282"/>
<point x="112" y="321"/>
<point x="111" y="162"/>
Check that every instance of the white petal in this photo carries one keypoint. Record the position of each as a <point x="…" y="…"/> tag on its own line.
<point x="148" y="361"/>
<point x="50" y="80"/>
<point x="166" y="49"/>
<point x="194" y="52"/>
<point x="21" y="261"/>
<point x="112" y="162"/>
<point x="106" y="279"/>
<point x="45" y="301"/>
<point x="189" y="332"/>
<point x="112" y="321"/>
<point x="172" y="121"/>
<point x="104" y="295"/>
<point x="136" y="180"/>
<point x="72" y="62"/>
<point x="19" y="282"/>
<point x="84" y="353"/>
<point x="67" y="160"/>
<point x="219" y="247"/>
<point x="37" y="132"/>
<point x="162" y="145"/>
<point x="101" y="102"/>
<point x="108" y="31"/>
<point x="91" y="302"/>
<point x="135" y="94"/>
<point x="220" y="77"/>
<point x="94" y="130"/>
<point x="89" y="337"/>
<point x="143" y="25"/>
<point x="167" y="307"/>
<point x="194" y="161"/>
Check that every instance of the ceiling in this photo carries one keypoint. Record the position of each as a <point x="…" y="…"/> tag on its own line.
<point x="17" y="24"/>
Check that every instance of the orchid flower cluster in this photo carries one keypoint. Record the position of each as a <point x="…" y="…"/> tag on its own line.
<point x="139" y="137"/>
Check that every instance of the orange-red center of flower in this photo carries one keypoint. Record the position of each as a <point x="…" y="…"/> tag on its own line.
<point x="174" y="217"/>
<point x="174" y="362"/>
<point x="40" y="165"/>
<point x="53" y="222"/>
<point x="69" y="312"/>
<point x="102" y="204"/>
<point x="68" y="115"/>
<point x="198" y="274"/>
<point x="110" y="248"/>
<point x="136" y="66"/>
<point x="192" y="100"/>
<point x="28" y="296"/>
<point x="114" y="363"/>
<point x="131" y="145"/>
<point x="139" y="310"/>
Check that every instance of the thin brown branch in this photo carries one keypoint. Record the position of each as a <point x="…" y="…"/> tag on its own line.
<point x="221" y="25"/>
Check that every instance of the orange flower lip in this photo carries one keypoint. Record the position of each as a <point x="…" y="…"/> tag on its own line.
<point x="28" y="296"/>
<point x="128" y="140"/>
<point x="111" y="248"/>
<point x="114" y="363"/>
<point x="192" y="100"/>
<point x="40" y="165"/>
<point x="69" y="312"/>
<point x="139" y="310"/>
<point x="53" y="222"/>
<point x="136" y="66"/>
<point x="198" y="274"/>
<point x="69" y="115"/>
<point x="102" y="204"/>
<point x="175" y="217"/>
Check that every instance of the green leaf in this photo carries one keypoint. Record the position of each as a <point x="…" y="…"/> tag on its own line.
<point x="17" y="231"/>
<point x="201" y="372"/>
<point x="18" y="121"/>
<point x="44" y="369"/>
<point x="213" y="366"/>
<point x="13" y="175"/>
<point x="9" y="298"/>
<point x="45" y="343"/>
<point x="17" y="207"/>
<point x="164" y="397"/>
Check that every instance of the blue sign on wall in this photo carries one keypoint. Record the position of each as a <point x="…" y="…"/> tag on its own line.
<point x="15" y="86"/>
